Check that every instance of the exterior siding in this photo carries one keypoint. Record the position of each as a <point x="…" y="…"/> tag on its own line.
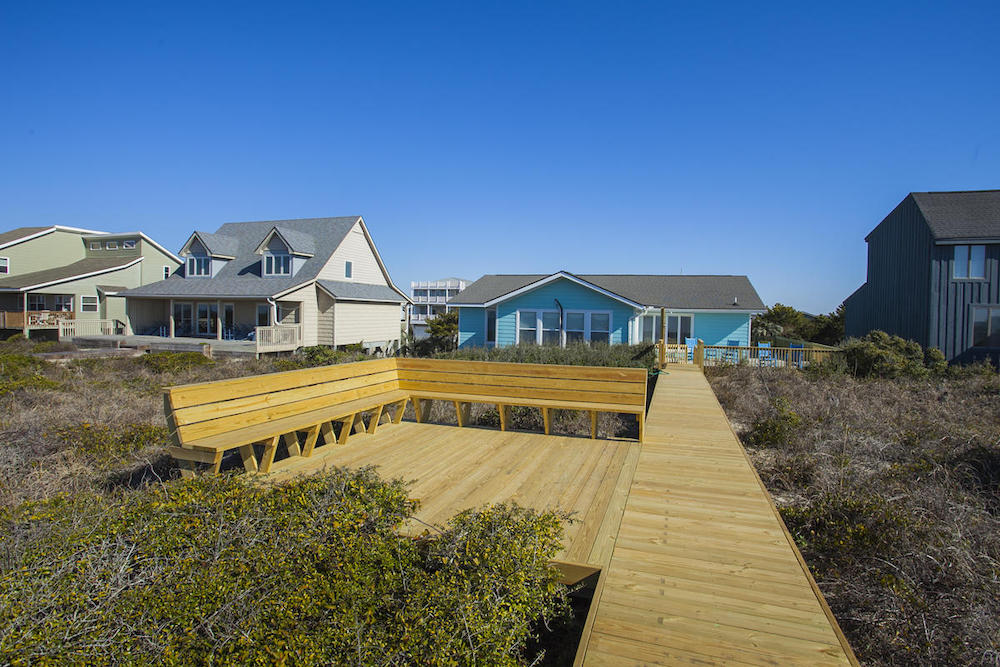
<point x="146" y="314"/>
<point x="572" y="297"/>
<point x="308" y="313"/>
<point x="57" y="248"/>
<point x="718" y="328"/>
<point x="357" y="322"/>
<point x="153" y="263"/>
<point x="128" y="277"/>
<point x="951" y="301"/>
<point x="896" y="298"/>
<point x="471" y="327"/>
<point x="364" y="267"/>
<point x="324" y="318"/>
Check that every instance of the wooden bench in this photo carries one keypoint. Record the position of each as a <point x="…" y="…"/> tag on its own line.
<point x="298" y="409"/>
<point x="588" y="388"/>
<point x="294" y="408"/>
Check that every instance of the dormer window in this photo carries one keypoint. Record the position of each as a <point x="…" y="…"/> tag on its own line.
<point x="199" y="266"/>
<point x="277" y="264"/>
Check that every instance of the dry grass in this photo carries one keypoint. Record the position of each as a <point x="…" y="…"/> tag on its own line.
<point x="892" y="489"/>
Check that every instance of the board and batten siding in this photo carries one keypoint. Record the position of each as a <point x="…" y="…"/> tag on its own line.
<point x="305" y="297"/>
<point x="368" y="322"/>
<point x="896" y="297"/>
<point x="364" y="267"/>
<point x="952" y="300"/>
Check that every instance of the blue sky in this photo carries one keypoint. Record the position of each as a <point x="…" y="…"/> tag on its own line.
<point x="754" y="138"/>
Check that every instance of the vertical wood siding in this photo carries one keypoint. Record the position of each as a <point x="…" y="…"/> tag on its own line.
<point x="952" y="301"/>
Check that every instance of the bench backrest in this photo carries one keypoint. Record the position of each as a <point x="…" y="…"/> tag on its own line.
<point x="210" y="408"/>
<point x="584" y="384"/>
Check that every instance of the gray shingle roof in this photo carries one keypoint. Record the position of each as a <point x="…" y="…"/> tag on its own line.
<point x="961" y="215"/>
<point x="361" y="291"/>
<point x="297" y="241"/>
<point x="65" y="273"/>
<point x="20" y="233"/>
<point x="219" y="244"/>
<point x="241" y="277"/>
<point x="678" y="292"/>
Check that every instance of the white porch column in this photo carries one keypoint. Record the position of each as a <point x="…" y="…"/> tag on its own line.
<point x="218" y="320"/>
<point x="172" y="324"/>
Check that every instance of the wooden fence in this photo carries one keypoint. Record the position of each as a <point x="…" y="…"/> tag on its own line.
<point x="720" y="355"/>
<point x="278" y="338"/>
<point x="71" y="328"/>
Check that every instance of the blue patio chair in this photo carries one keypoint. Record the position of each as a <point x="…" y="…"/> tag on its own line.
<point x="764" y="356"/>
<point x="796" y="356"/>
<point x="732" y="356"/>
<point x="691" y="344"/>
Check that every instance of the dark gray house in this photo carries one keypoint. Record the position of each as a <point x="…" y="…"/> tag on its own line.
<point x="934" y="275"/>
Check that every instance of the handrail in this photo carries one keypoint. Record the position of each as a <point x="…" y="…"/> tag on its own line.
<point x="69" y="328"/>
<point x="278" y="338"/>
<point x="720" y="355"/>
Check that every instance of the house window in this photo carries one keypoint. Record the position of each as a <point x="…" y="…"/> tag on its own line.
<point x="550" y="328"/>
<point x="64" y="303"/>
<point x="491" y="326"/>
<point x="277" y="265"/>
<point x="600" y="328"/>
<point x="652" y="329"/>
<point x="36" y="302"/>
<point x="208" y="318"/>
<point x="4" y="265"/>
<point x="527" y="327"/>
<point x="970" y="261"/>
<point x="419" y="293"/>
<point x="986" y="326"/>
<point x="95" y="245"/>
<point x="348" y="269"/>
<point x="199" y="266"/>
<point x="576" y="328"/>
<point x="166" y="272"/>
<point x="183" y="319"/>
<point x="88" y="304"/>
<point x="263" y="315"/>
<point x="111" y="245"/>
<point x="128" y="245"/>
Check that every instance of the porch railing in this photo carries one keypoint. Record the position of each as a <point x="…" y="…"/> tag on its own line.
<point x="753" y="355"/>
<point x="278" y="338"/>
<point x="70" y="328"/>
<point x="15" y="319"/>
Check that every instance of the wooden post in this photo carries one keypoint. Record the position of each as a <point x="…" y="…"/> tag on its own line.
<point x="663" y="337"/>
<point x="699" y="354"/>
<point x="593" y="424"/>
<point x="547" y="419"/>
<point x="173" y="325"/>
<point x="24" y="322"/>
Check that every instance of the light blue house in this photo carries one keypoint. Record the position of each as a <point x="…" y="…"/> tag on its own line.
<point x="564" y="308"/>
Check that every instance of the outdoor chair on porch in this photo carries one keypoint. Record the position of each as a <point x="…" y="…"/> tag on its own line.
<point x="764" y="356"/>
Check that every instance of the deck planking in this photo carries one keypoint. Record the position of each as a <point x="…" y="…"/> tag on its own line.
<point x="703" y="570"/>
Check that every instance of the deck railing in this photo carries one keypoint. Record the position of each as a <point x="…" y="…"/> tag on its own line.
<point x="278" y="338"/>
<point x="70" y="328"/>
<point x="15" y="319"/>
<point x="753" y="355"/>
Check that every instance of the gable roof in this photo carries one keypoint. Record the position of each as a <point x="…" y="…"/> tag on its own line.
<point x="970" y="214"/>
<point x="663" y="291"/>
<point x="217" y="245"/>
<point x="241" y="277"/>
<point x="61" y="274"/>
<point x="296" y="242"/>
<point x="25" y="233"/>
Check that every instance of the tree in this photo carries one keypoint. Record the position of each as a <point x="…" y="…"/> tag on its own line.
<point x="443" y="330"/>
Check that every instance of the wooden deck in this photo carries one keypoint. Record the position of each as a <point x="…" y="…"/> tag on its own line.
<point x="703" y="571"/>
<point x="453" y="469"/>
<point x="695" y="564"/>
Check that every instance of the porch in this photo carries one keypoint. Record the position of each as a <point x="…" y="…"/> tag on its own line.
<point x="210" y="347"/>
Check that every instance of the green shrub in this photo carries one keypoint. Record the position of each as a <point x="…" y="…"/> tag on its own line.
<point x="20" y="371"/>
<point x="880" y="355"/>
<point x="776" y="429"/>
<point x="173" y="362"/>
<point x="53" y="346"/>
<point x="225" y="571"/>
<point x="108" y="446"/>
<point x="635" y="356"/>
<point x="16" y="338"/>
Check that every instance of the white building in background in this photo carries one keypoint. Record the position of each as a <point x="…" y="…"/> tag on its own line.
<point x="429" y="299"/>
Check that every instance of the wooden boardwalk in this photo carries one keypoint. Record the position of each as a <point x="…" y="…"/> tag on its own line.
<point x="703" y="571"/>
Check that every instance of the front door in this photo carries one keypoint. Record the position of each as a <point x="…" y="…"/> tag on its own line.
<point x="208" y="317"/>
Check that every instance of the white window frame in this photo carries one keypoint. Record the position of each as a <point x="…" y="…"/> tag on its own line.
<point x="128" y="244"/>
<point x="262" y="307"/>
<point x="348" y="269"/>
<point x="587" y="330"/>
<point x="192" y="266"/>
<point x="111" y="245"/>
<point x="486" y="326"/>
<point x="34" y="306"/>
<point x="167" y="270"/>
<point x="271" y="261"/>
<point x="87" y="306"/>
<point x="5" y="266"/>
<point x="968" y="262"/>
<point x="95" y="245"/>
<point x="63" y="303"/>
